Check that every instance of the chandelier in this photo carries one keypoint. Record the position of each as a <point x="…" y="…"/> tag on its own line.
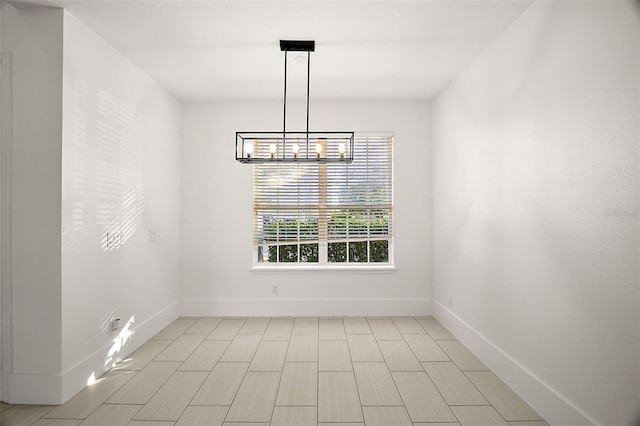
<point x="298" y="146"/>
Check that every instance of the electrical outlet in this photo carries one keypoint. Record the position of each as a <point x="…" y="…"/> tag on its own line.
<point x="276" y="290"/>
<point x="115" y="325"/>
<point x="152" y="236"/>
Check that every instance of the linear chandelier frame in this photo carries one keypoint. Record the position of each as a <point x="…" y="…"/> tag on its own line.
<point x="298" y="146"/>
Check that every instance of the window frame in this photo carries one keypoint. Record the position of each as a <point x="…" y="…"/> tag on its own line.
<point x="323" y="263"/>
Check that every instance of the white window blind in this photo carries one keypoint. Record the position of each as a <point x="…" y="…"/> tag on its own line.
<point x="326" y="213"/>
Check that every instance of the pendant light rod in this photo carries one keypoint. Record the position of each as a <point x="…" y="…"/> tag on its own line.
<point x="284" y="119"/>
<point x="296" y="46"/>
<point x="308" y="78"/>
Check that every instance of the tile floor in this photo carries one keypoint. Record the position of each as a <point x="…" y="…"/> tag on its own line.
<point x="292" y="371"/>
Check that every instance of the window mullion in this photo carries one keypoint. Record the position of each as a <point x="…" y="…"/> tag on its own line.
<point x="323" y="252"/>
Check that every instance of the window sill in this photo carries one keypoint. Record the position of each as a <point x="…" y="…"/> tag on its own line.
<point x="303" y="269"/>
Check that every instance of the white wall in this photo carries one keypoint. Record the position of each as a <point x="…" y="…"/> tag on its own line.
<point x="120" y="174"/>
<point x="34" y="37"/>
<point x="217" y="216"/>
<point x="2" y="234"/>
<point x="536" y="209"/>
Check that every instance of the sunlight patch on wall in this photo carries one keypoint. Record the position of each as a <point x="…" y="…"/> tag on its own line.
<point x="74" y="237"/>
<point x="124" y="337"/>
<point x="119" y="187"/>
<point x="104" y="191"/>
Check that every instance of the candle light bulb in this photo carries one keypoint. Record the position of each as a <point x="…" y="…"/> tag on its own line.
<point x="272" y="149"/>
<point x="296" y="149"/>
<point x="318" y="149"/>
<point x="341" y="148"/>
<point x="249" y="148"/>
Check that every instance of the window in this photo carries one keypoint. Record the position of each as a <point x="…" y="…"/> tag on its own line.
<point x="326" y="214"/>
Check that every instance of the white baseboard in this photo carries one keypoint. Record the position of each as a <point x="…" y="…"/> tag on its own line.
<point x="40" y="389"/>
<point x="547" y="401"/>
<point x="57" y="389"/>
<point x="76" y="377"/>
<point x="306" y="307"/>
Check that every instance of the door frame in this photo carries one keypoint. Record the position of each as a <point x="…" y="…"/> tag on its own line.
<point x="6" y="275"/>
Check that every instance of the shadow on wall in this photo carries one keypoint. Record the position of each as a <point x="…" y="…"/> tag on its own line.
<point x="120" y="193"/>
<point x="106" y="175"/>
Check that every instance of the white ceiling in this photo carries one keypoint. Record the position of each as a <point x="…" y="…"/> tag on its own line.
<point x="205" y="50"/>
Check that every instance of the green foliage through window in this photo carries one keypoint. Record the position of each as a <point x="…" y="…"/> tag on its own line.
<point x="344" y="224"/>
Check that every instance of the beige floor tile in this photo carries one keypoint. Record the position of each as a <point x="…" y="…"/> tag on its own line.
<point x="145" y="384"/>
<point x="386" y="416"/>
<point x="364" y="347"/>
<point x="454" y="386"/>
<point x="356" y="325"/>
<point x="269" y="356"/>
<point x="384" y="329"/>
<point x="407" y="325"/>
<point x="375" y="384"/>
<point x="421" y="398"/>
<point x="256" y="325"/>
<point x="299" y="384"/>
<point x="19" y="415"/>
<point x="464" y="359"/>
<point x="204" y="325"/>
<point x="425" y="348"/>
<point x="181" y="348"/>
<point x="437" y="424"/>
<point x="143" y="355"/>
<point x="478" y="416"/>
<point x="227" y="329"/>
<point x="331" y="329"/>
<point x="404" y="369"/>
<point x="173" y="397"/>
<point x="435" y="329"/>
<point x="505" y="400"/>
<point x="55" y="422"/>
<point x="398" y="356"/>
<point x="222" y="384"/>
<point x="279" y="329"/>
<point x="305" y="325"/>
<point x="338" y="399"/>
<point x="255" y="399"/>
<point x="203" y="416"/>
<point x="205" y="356"/>
<point x="340" y="424"/>
<point x="303" y="347"/>
<point x="175" y="329"/>
<point x="242" y="348"/>
<point x="333" y="355"/>
<point x="4" y="407"/>
<point x="112" y="415"/>
<point x="294" y="416"/>
<point x="244" y="424"/>
<point x="91" y="397"/>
